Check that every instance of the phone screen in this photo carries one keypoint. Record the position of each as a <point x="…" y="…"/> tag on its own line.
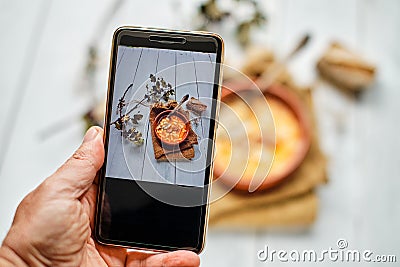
<point x="159" y="140"/>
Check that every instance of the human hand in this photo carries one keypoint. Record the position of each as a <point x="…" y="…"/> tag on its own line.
<point x="53" y="224"/>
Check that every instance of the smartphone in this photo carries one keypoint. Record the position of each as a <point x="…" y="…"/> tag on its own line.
<point x="160" y="125"/>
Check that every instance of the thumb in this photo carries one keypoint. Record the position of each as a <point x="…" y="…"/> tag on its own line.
<point x="76" y="175"/>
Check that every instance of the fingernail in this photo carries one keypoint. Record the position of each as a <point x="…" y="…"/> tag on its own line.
<point x="90" y="134"/>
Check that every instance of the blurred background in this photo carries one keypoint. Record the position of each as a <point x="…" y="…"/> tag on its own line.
<point x="54" y="69"/>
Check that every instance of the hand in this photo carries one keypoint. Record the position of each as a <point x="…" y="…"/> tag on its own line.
<point x="53" y="224"/>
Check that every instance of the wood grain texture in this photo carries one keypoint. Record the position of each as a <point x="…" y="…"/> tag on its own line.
<point x="51" y="92"/>
<point x="189" y="172"/>
<point x="163" y="172"/>
<point x="134" y="66"/>
<point x="128" y="61"/>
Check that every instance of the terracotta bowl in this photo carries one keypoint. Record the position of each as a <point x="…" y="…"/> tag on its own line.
<point x="297" y="106"/>
<point x="164" y="114"/>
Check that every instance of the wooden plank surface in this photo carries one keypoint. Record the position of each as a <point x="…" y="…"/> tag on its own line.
<point x="350" y="206"/>
<point x="128" y="64"/>
<point x="50" y="94"/>
<point x="147" y="65"/>
<point x="205" y="73"/>
<point x="19" y="60"/>
<point x="189" y="172"/>
<point x="127" y="159"/>
<point x="134" y="66"/>
<point x="321" y="20"/>
<point x="376" y="200"/>
<point x="163" y="172"/>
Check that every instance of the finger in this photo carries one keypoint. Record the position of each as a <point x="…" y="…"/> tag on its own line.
<point x="177" y="259"/>
<point x="76" y="175"/>
<point x="89" y="203"/>
<point x="113" y="256"/>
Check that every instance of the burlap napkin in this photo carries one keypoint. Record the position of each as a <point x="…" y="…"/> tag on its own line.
<point x="292" y="203"/>
<point x="185" y="149"/>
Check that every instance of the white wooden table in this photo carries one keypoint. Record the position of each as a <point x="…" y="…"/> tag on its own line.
<point x="43" y="50"/>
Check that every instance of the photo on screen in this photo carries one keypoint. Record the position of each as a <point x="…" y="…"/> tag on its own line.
<point x="161" y="115"/>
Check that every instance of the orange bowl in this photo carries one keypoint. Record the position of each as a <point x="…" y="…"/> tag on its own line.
<point x="278" y="96"/>
<point x="165" y="114"/>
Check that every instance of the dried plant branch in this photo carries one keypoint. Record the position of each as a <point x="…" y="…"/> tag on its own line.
<point x="157" y="90"/>
<point x="211" y="13"/>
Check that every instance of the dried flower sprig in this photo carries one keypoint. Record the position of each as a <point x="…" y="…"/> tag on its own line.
<point x="157" y="90"/>
<point x="211" y="13"/>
